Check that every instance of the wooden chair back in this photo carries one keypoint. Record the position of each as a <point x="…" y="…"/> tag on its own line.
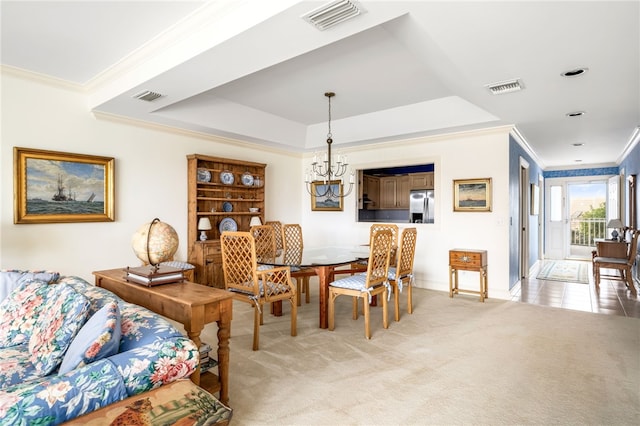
<point x="265" y="242"/>
<point x="239" y="262"/>
<point x="293" y="244"/>
<point x="277" y="229"/>
<point x="380" y="243"/>
<point x="406" y="252"/>
<point x="394" y="243"/>
<point x="292" y="236"/>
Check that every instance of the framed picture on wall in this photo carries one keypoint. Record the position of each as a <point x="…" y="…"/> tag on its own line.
<point x="58" y="187"/>
<point x="535" y="199"/>
<point x="321" y="196"/>
<point x="472" y="195"/>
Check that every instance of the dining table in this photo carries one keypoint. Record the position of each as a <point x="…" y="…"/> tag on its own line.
<point x="324" y="261"/>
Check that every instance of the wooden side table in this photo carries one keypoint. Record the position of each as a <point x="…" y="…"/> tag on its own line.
<point x="468" y="260"/>
<point x="193" y="305"/>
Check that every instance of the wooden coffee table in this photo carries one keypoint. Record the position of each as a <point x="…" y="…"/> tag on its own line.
<point x="191" y="304"/>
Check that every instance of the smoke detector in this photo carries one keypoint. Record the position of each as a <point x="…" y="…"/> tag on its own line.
<point x="332" y="13"/>
<point x="506" y="86"/>
<point x="147" y="95"/>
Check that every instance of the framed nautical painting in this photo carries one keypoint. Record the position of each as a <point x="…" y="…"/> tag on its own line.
<point x="472" y="195"/>
<point x="58" y="187"/>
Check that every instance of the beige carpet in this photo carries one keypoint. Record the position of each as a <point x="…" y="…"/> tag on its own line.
<point x="454" y="361"/>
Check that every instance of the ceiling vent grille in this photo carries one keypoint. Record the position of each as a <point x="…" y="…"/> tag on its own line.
<point x="503" y="87"/>
<point x="147" y="95"/>
<point x="332" y="14"/>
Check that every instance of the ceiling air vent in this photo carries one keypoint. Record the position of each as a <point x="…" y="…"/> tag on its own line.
<point x="507" y="86"/>
<point x="332" y="14"/>
<point x="147" y="95"/>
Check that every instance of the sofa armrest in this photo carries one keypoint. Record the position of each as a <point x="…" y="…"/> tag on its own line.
<point x="56" y="399"/>
<point x="157" y="363"/>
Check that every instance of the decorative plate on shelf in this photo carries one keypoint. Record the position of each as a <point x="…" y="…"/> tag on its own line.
<point x="247" y="179"/>
<point x="227" y="178"/>
<point x="227" y="224"/>
<point x="227" y="206"/>
<point x="204" y="175"/>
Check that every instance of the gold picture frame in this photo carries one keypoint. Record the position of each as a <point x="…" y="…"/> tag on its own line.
<point x="472" y="195"/>
<point x="324" y="203"/>
<point x="60" y="187"/>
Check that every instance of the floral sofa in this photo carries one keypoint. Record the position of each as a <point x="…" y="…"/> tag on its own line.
<point x="68" y="348"/>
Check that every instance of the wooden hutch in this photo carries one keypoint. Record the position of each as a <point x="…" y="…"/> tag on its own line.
<point x="222" y="190"/>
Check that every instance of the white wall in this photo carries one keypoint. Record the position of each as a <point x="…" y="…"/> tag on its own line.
<point x="150" y="181"/>
<point x="150" y="178"/>
<point x="479" y="154"/>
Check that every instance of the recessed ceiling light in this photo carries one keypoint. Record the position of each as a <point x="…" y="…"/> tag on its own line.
<point x="575" y="72"/>
<point x="575" y="113"/>
<point x="578" y="144"/>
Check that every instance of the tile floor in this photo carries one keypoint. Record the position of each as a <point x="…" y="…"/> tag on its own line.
<point x="613" y="298"/>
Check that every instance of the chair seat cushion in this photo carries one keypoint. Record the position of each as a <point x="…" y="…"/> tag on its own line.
<point x="353" y="282"/>
<point x="615" y="260"/>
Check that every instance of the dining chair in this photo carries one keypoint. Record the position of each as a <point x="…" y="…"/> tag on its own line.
<point x="401" y="274"/>
<point x="277" y="230"/>
<point x="369" y="284"/>
<point x="361" y="266"/>
<point x="292" y="245"/>
<point x="252" y="285"/>
<point x="622" y="265"/>
<point x="265" y="240"/>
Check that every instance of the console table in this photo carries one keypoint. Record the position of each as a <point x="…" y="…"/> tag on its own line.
<point x="468" y="260"/>
<point x="191" y="304"/>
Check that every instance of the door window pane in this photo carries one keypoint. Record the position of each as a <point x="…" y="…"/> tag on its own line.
<point x="555" y="203"/>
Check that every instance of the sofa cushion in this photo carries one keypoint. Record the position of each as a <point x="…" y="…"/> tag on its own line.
<point x="96" y="295"/>
<point x="15" y="367"/>
<point x="140" y="327"/>
<point x="19" y="312"/>
<point x="98" y="338"/>
<point x="62" y="316"/>
<point x="59" y="398"/>
<point x="10" y="279"/>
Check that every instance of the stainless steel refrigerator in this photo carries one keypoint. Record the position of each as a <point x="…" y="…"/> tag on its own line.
<point x="421" y="206"/>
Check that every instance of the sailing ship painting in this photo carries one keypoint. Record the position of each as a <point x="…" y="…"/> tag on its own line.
<point x="64" y="187"/>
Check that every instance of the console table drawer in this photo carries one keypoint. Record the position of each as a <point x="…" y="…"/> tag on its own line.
<point x="467" y="259"/>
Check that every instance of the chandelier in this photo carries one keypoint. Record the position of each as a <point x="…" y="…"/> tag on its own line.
<point x="327" y="172"/>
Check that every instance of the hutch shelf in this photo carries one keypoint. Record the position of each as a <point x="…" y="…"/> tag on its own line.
<point x="222" y="190"/>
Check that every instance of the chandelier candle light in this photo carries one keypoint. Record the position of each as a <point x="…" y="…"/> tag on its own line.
<point x="327" y="172"/>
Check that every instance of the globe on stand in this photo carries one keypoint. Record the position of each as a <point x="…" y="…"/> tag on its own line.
<point x="155" y="242"/>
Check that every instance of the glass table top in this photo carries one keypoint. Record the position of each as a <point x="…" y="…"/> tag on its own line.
<point x="321" y="256"/>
